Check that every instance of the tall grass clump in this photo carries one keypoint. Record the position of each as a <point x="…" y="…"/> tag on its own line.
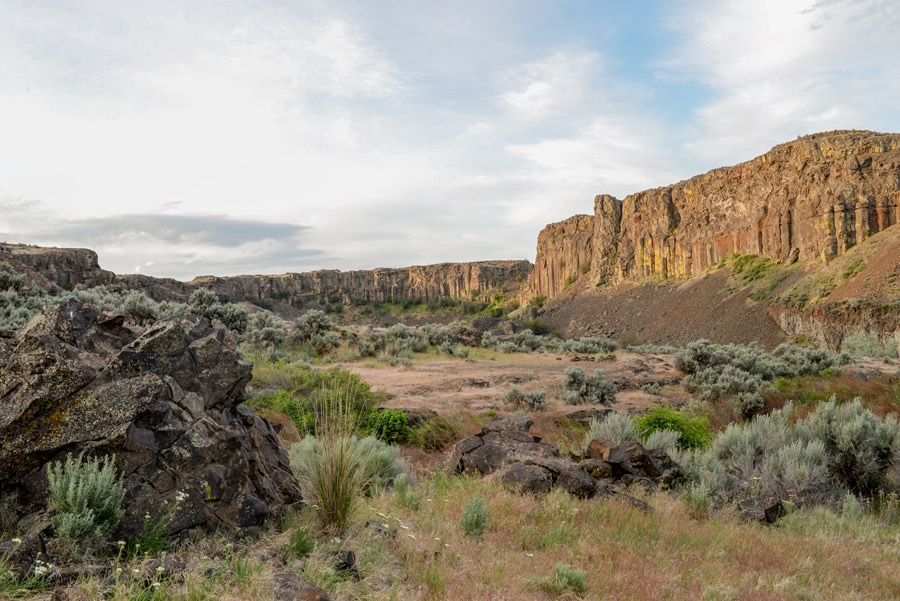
<point x="329" y="467"/>
<point x="583" y="389"/>
<point x="86" y="499"/>
<point x="474" y="517"/>
<point x="564" y="579"/>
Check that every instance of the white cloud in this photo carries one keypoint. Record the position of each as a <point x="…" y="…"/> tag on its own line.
<point x="782" y="68"/>
<point x="550" y="85"/>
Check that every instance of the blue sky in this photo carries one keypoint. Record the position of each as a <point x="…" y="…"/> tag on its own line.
<point x="222" y="137"/>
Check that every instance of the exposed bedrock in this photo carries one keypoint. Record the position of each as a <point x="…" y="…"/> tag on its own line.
<point x="811" y="198"/>
<point x="165" y="402"/>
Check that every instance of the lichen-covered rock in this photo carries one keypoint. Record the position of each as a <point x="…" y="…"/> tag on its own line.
<point x="164" y="401"/>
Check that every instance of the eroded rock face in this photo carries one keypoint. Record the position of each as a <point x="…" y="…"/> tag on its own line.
<point x="164" y="401"/>
<point x="814" y="197"/>
<point x="564" y="252"/>
<point x="63" y="267"/>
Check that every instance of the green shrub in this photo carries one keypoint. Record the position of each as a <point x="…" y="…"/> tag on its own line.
<point x="693" y="429"/>
<point x="581" y="389"/>
<point x="565" y="579"/>
<point x="300" y="545"/>
<point x="389" y="426"/>
<point x="696" y="499"/>
<point x="532" y="401"/>
<point x="537" y="326"/>
<point x="86" y="499"/>
<point x="474" y="517"/>
<point x="435" y="434"/>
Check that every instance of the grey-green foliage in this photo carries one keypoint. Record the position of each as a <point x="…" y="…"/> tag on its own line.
<point x="835" y="450"/>
<point x="312" y="323"/>
<point x="740" y="373"/>
<point x="868" y="344"/>
<point x="583" y="389"/>
<point x="860" y="447"/>
<point x="86" y="498"/>
<point x="588" y="345"/>
<point x="204" y="301"/>
<point x="532" y="401"/>
<point x="265" y="330"/>
<point x="20" y="298"/>
<point x="488" y="340"/>
<point x="474" y="517"/>
<point x="615" y="428"/>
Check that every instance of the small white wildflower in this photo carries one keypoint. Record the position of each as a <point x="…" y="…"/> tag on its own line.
<point x="437" y="538"/>
<point x="121" y="543"/>
<point x="382" y="515"/>
<point x="155" y="585"/>
<point x="17" y="541"/>
<point x="429" y="500"/>
<point x="147" y="516"/>
<point x="385" y="525"/>
<point x="118" y="570"/>
<point x="530" y="554"/>
<point x="404" y="527"/>
<point x="40" y="570"/>
<point x="160" y="569"/>
<point x="180" y="496"/>
<point x="135" y="571"/>
<point x="412" y="536"/>
<point x="446" y="544"/>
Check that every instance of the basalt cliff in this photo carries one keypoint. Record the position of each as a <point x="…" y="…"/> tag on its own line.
<point x="812" y="201"/>
<point x="813" y="198"/>
<point x="64" y="268"/>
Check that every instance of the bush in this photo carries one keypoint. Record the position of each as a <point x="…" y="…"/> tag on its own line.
<point x="693" y="430"/>
<point x="435" y="434"/>
<point x="581" y="389"/>
<point x="389" y="426"/>
<point x="474" y="518"/>
<point x="615" y="428"/>
<point x="867" y="344"/>
<point x="533" y="401"/>
<point x="86" y="498"/>
<point x="860" y="447"/>
<point x="564" y="579"/>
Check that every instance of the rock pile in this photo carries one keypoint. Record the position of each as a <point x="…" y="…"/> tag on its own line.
<point x="523" y="462"/>
<point x="164" y="401"/>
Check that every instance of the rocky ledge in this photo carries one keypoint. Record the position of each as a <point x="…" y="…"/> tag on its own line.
<point x="165" y="402"/>
<point x="523" y="462"/>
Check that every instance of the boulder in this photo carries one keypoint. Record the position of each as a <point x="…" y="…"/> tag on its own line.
<point x="165" y="402"/>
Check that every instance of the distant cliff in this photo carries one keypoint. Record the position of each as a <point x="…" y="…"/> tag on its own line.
<point x="62" y="267"/>
<point x="814" y="197"/>
<point x="565" y="251"/>
<point x="67" y="267"/>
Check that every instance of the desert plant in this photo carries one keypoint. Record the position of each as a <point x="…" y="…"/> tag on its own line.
<point x="300" y="544"/>
<point x="86" y="499"/>
<point x="594" y="389"/>
<point x="533" y="401"/>
<point x="868" y="344"/>
<point x="474" y="517"/>
<point x="693" y="430"/>
<point x="696" y="499"/>
<point x="564" y="579"/>
<point x="667" y="440"/>
<point x="860" y="447"/>
<point x="388" y="425"/>
<point x="435" y="434"/>
<point x="615" y="428"/>
<point x="653" y="388"/>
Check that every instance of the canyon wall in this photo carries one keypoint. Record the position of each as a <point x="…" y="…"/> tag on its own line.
<point x="469" y="281"/>
<point x="811" y="198"/>
<point x="62" y="267"/>
<point x="564" y="252"/>
<point x="67" y="267"/>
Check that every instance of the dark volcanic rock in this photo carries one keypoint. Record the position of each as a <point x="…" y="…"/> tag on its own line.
<point x="164" y="402"/>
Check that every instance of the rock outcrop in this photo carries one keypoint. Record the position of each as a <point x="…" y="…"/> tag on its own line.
<point x="62" y="267"/>
<point x="525" y="463"/>
<point x="469" y="281"/>
<point x="812" y="198"/>
<point x="565" y="250"/>
<point x="165" y="402"/>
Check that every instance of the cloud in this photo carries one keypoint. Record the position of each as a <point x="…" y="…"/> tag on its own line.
<point x="782" y="68"/>
<point x="181" y="246"/>
<point x="547" y="86"/>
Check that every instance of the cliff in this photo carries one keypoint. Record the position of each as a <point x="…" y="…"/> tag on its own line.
<point x="62" y="267"/>
<point x="68" y="267"/>
<point x="564" y="253"/>
<point x="815" y="197"/>
<point x="475" y="281"/>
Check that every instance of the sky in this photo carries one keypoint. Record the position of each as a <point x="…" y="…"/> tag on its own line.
<point x="191" y="137"/>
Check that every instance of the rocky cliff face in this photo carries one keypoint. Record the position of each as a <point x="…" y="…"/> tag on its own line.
<point x="165" y="402"/>
<point x="455" y="280"/>
<point x="814" y="197"/>
<point x="63" y="267"/>
<point x="565" y="250"/>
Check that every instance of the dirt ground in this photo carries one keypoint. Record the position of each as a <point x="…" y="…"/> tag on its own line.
<point x="477" y="385"/>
